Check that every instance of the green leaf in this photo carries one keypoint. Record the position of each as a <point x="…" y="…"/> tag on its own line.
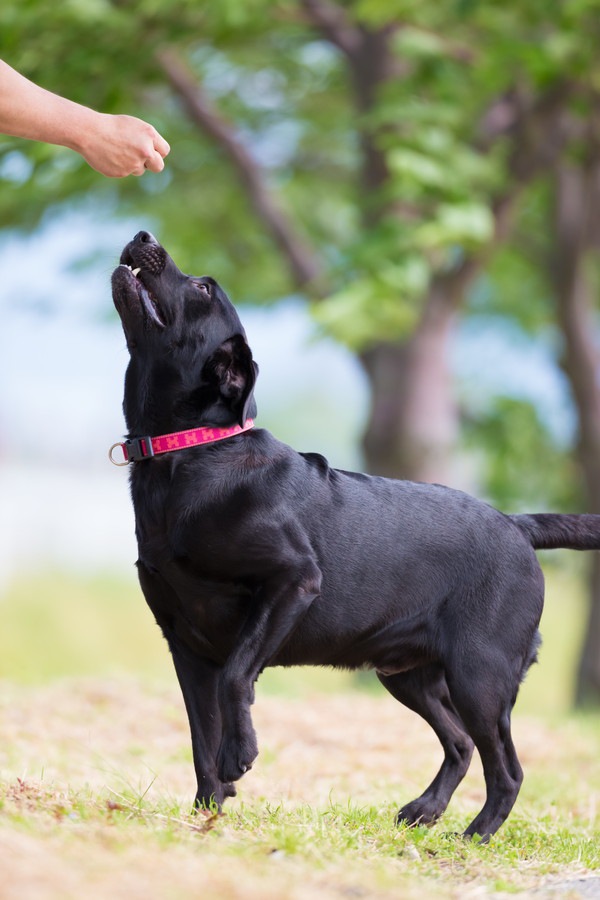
<point x="415" y="42"/>
<point x="422" y="169"/>
<point x="468" y="224"/>
<point x="383" y="306"/>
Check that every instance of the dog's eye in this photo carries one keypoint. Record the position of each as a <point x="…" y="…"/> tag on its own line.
<point x="204" y="288"/>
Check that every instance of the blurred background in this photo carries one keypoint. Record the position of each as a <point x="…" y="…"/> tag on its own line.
<point x="401" y="197"/>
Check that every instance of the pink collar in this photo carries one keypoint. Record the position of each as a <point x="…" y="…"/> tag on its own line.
<point x="136" y="449"/>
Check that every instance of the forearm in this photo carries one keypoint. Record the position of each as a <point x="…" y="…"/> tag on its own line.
<point x="114" y="145"/>
<point x="30" y="111"/>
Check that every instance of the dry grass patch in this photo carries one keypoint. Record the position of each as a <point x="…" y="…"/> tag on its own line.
<point x="97" y="779"/>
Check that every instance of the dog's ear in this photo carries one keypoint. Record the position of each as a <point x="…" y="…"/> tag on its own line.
<point x="232" y="368"/>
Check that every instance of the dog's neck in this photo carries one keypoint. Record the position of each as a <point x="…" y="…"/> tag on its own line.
<point x="168" y="424"/>
<point x="145" y="447"/>
<point x="152" y="408"/>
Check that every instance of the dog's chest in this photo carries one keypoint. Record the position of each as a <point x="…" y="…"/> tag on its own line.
<point x="150" y="495"/>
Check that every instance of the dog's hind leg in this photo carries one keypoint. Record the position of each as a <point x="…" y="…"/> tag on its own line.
<point x="484" y="666"/>
<point x="424" y="690"/>
<point x="484" y="698"/>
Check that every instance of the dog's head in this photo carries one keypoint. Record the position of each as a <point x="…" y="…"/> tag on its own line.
<point x="190" y="362"/>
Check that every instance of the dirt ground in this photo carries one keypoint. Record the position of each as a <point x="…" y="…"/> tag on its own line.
<point x="119" y="737"/>
<point x="109" y="734"/>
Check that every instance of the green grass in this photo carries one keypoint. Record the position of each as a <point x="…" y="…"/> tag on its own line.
<point x="56" y="625"/>
<point x="96" y="775"/>
<point x="259" y="850"/>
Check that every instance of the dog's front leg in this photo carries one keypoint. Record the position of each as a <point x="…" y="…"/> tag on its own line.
<point x="199" y="681"/>
<point x="280" y="605"/>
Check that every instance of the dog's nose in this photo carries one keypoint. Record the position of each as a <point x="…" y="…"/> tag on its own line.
<point x="144" y="237"/>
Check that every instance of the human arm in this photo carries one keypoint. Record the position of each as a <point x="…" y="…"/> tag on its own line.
<point x="115" y="145"/>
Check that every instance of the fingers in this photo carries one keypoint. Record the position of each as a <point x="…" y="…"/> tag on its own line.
<point x="154" y="162"/>
<point x="123" y="145"/>
<point x="161" y="146"/>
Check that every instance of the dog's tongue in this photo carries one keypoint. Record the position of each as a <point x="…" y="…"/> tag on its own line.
<point x="149" y="306"/>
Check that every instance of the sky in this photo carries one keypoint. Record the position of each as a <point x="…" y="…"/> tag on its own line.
<point x="62" y="362"/>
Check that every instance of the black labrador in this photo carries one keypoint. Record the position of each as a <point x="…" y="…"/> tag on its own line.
<point x="254" y="555"/>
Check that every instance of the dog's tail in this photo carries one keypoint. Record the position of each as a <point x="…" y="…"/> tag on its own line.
<point x="549" y="531"/>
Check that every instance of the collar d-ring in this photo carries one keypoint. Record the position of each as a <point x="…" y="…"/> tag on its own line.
<point x="114" y="461"/>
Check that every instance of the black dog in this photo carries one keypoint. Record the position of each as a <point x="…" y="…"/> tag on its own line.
<point x="253" y="555"/>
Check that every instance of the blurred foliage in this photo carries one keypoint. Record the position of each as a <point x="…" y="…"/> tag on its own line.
<point x="287" y="95"/>
<point x="522" y="467"/>
<point x="286" y="92"/>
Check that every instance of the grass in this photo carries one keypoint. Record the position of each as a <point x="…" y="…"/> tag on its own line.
<point x="55" y="624"/>
<point x="96" y="781"/>
<point x="96" y="775"/>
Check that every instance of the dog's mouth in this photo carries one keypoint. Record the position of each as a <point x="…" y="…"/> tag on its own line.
<point x="142" y="263"/>
<point x="147" y="299"/>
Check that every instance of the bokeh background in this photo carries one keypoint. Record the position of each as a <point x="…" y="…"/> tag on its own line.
<point x="402" y="200"/>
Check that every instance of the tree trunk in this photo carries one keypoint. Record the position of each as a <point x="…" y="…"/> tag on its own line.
<point x="574" y="198"/>
<point x="413" y="422"/>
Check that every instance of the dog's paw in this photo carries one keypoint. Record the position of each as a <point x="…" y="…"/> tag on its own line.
<point x="236" y="757"/>
<point x="207" y="799"/>
<point x="419" y="812"/>
<point x="212" y="793"/>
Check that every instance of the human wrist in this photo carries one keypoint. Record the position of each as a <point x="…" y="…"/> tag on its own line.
<point x="79" y="127"/>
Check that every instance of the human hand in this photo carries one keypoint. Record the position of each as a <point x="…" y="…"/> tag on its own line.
<point x="119" y="145"/>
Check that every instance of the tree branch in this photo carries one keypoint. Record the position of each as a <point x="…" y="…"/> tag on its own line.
<point x="539" y="131"/>
<point x="333" y="23"/>
<point x="301" y="260"/>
